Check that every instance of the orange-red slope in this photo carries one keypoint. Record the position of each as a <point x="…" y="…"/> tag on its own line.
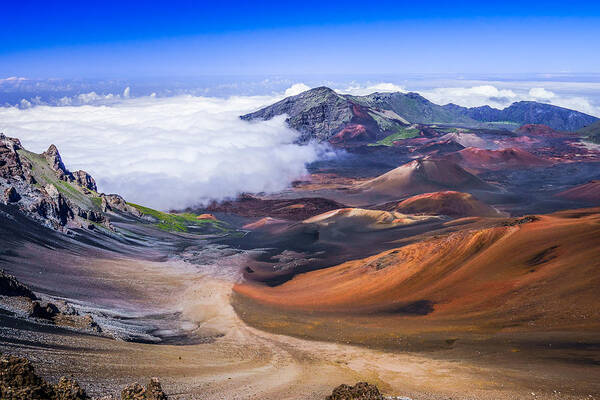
<point x="546" y="271"/>
<point x="589" y="192"/>
<point x="421" y="176"/>
<point x="451" y="203"/>
<point x="476" y="159"/>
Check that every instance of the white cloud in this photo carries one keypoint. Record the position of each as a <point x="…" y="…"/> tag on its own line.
<point x="368" y="88"/>
<point x="295" y="89"/>
<point x="471" y="96"/>
<point x="126" y="92"/>
<point x="168" y="152"/>
<point x="541" y="93"/>
<point x="480" y="95"/>
<point x="13" y="79"/>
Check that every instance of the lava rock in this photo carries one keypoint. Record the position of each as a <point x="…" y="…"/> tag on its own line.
<point x="10" y="286"/>
<point x="360" y="391"/>
<point x="43" y="310"/>
<point x="69" y="389"/>
<point x="18" y="381"/>
<point x="11" y="195"/>
<point x="135" y="391"/>
<point x="85" y="180"/>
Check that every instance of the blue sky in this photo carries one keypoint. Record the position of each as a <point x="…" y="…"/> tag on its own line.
<point x="192" y="38"/>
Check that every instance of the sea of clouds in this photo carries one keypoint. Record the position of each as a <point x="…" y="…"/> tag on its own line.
<point x="169" y="152"/>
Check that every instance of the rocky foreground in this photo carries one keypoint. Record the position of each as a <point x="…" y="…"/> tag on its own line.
<point x="18" y="381"/>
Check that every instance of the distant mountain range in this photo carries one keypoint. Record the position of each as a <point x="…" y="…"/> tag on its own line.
<point x="325" y="115"/>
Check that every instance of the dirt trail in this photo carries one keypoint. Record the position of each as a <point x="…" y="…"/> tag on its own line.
<point x="242" y="362"/>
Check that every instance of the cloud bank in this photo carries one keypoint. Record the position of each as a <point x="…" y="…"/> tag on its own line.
<point x="168" y="152"/>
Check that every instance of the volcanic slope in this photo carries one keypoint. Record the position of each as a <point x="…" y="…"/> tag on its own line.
<point x="536" y="274"/>
<point x="420" y="176"/>
<point x="450" y="203"/>
<point x="588" y="192"/>
<point x="477" y="160"/>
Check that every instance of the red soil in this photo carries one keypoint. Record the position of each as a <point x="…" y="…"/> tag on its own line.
<point x="351" y="132"/>
<point x="295" y="209"/>
<point x="589" y="192"/>
<point x="476" y="159"/>
<point x="451" y="203"/>
<point x="538" y="130"/>
<point x="421" y="176"/>
<point x="536" y="275"/>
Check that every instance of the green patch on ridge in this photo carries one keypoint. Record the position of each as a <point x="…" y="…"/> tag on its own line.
<point x="45" y="175"/>
<point x="402" y="133"/>
<point x="184" y="222"/>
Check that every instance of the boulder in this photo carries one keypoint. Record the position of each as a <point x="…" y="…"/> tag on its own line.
<point x="18" y="381"/>
<point x="11" y="195"/>
<point x="135" y="391"/>
<point x="10" y="286"/>
<point x="114" y="202"/>
<point x="68" y="389"/>
<point x="360" y="391"/>
<point x="43" y="310"/>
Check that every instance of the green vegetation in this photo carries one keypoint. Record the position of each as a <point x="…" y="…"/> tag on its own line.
<point x="592" y="132"/>
<point x="402" y="133"/>
<point x="45" y="175"/>
<point x="97" y="202"/>
<point x="185" y="222"/>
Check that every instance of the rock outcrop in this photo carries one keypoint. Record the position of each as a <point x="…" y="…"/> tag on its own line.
<point x="18" y="381"/>
<point x="30" y="306"/>
<point x="360" y="391"/>
<point x="85" y="180"/>
<point x="44" y="189"/>
<point x="135" y="391"/>
<point x="10" y="286"/>
<point x="114" y="202"/>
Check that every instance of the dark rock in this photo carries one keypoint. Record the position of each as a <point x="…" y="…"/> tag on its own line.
<point x="90" y="215"/>
<point x="18" y="381"/>
<point x="53" y="157"/>
<point x="135" y="391"/>
<point x="360" y="391"/>
<point x="114" y="202"/>
<point x="10" y="286"/>
<point x="85" y="180"/>
<point x="43" y="310"/>
<point x="69" y="389"/>
<point x="154" y="390"/>
<point x="11" y="195"/>
<point x="295" y="209"/>
<point x="11" y="166"/>
<point x="525" y="220"/>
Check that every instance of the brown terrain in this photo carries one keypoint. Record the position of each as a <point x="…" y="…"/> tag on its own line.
<point x="420" y="176"/>
<point x="588" y="192"/>
<point x="451" y="203"/>
<point x="477" y="160"/>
